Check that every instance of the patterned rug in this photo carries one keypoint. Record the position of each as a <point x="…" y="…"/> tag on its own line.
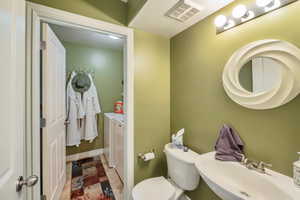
<point x="89" y="180"/>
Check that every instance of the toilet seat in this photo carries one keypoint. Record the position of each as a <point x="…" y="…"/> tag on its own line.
<point x="154" y="188"/>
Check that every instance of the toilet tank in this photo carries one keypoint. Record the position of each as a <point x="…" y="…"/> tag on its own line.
<point x="181" y="167"/>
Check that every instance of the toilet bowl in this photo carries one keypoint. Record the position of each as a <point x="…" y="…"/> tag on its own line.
<point x="154" y="188"/>
<point x="183" y="176"/>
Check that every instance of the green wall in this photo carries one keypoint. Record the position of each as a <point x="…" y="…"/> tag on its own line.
<point x="114" y="11"/>
<point x="107" y="67"/>
<point x="200" y="104"/>
<point x="152" y="102"/>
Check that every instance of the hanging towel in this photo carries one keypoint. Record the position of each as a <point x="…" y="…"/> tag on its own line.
<point x="229" y="146"/>
<point x="91" y="108"/>
<point x="74" y="113"/>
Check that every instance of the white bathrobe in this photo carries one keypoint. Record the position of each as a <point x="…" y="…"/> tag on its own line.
<point x="74" y="113"/>
<point x="91" y="107"/>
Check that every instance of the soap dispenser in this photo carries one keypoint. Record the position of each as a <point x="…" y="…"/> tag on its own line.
<point x="297" y="172"/>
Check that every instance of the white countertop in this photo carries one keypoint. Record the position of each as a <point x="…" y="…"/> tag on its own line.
<point x="115" y="116"/>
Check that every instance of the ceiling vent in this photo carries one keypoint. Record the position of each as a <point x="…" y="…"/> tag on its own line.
<point x="183" y="10"/>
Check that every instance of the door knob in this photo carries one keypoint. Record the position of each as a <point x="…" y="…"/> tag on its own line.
<point x="29" y="182"/>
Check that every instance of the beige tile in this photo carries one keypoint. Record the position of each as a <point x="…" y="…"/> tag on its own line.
<point x="114" y="179"/>
<point x="66" y="193"/>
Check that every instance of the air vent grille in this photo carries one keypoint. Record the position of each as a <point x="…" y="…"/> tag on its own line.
<point x="183" y="10"/>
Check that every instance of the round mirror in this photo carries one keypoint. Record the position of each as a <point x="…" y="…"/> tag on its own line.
<point x="260" y="74"/>
<point x="263" y="74"/>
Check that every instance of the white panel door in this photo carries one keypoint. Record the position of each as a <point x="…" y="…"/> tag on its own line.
<point x="257" y="75"/>
<point x="272" y="72"/>
<point x="265" y="74"/>
<point x="12" y="101"/>
<point x="54" y="111"/>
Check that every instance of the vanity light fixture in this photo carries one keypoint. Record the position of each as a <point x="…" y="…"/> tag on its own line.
<point x="240" y="11"/>
<point x="243" y="13"/>
<point x="229" y="24"/>
<point x="276" y="4"/>
<point x="264" y="3"/>
<point x="249" y="16"/>
<point x="221" y="21"/>
<point x="268" y="5"/>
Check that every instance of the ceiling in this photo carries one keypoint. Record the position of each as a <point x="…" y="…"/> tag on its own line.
<point x="87" y="37"/>
<point x="152" y="17"/>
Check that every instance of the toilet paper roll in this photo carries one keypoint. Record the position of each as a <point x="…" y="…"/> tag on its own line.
<point x="149" y="156"/>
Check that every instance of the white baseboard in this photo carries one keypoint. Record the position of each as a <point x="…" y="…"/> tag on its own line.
<point x="86" y="154"/>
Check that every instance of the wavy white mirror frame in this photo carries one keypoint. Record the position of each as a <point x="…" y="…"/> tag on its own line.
<point x="286" y="89"/>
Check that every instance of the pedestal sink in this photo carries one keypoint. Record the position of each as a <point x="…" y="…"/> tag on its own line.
<point x="233" y="181"/>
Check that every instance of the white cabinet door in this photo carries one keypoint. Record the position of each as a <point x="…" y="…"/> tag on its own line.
<point x="106" y="137"/>
<point x="119" y="148"/>
<point x="54" y="111"/>
<point x="109" y="141"/>
<point x="12" y="101"/>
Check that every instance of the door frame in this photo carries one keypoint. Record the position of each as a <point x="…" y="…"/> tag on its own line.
<point x="36" y="14"/>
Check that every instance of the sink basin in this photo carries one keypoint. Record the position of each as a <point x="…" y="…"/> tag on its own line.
<point x="233" y="181"/>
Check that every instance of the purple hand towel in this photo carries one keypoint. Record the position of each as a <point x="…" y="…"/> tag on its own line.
<point x="229" y="146"/>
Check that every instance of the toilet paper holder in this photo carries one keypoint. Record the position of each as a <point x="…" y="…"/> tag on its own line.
<point x="142" y="155"/>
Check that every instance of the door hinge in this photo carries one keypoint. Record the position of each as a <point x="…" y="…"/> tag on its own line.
<point x="43" y="122"/>
<point x="43" y="45"/>
<point x="43" y="197"/>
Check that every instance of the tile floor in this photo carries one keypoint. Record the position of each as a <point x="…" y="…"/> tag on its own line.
<point x="114" y="179"/>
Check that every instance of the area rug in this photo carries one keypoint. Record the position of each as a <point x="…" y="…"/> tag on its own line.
<point x="89" y="180"/>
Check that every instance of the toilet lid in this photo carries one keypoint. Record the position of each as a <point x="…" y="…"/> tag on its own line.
<point x="153" y="189"/>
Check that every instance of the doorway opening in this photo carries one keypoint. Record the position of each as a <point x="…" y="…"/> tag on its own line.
<point x="82" y="86"/>
<point x="84" y="143"/>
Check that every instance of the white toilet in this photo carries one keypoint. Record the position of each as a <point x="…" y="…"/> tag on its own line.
<point x="183" y="176"/>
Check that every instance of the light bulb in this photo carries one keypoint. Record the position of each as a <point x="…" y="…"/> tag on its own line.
<point x="275" y="4"/>
<point x="250" y="15"/>
<point x="264" y="3"/>
<point x="229" y="24"/>
<point x="239" y="11"/>
<point x="220" y="21"/>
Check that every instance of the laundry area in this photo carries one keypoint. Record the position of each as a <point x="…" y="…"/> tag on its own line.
<point x="87" y="157"/>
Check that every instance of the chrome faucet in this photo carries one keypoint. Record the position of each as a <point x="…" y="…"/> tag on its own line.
<point x="251" y="164"/>
<point x="257" y="166"/>
<point x="261" y="167"/>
